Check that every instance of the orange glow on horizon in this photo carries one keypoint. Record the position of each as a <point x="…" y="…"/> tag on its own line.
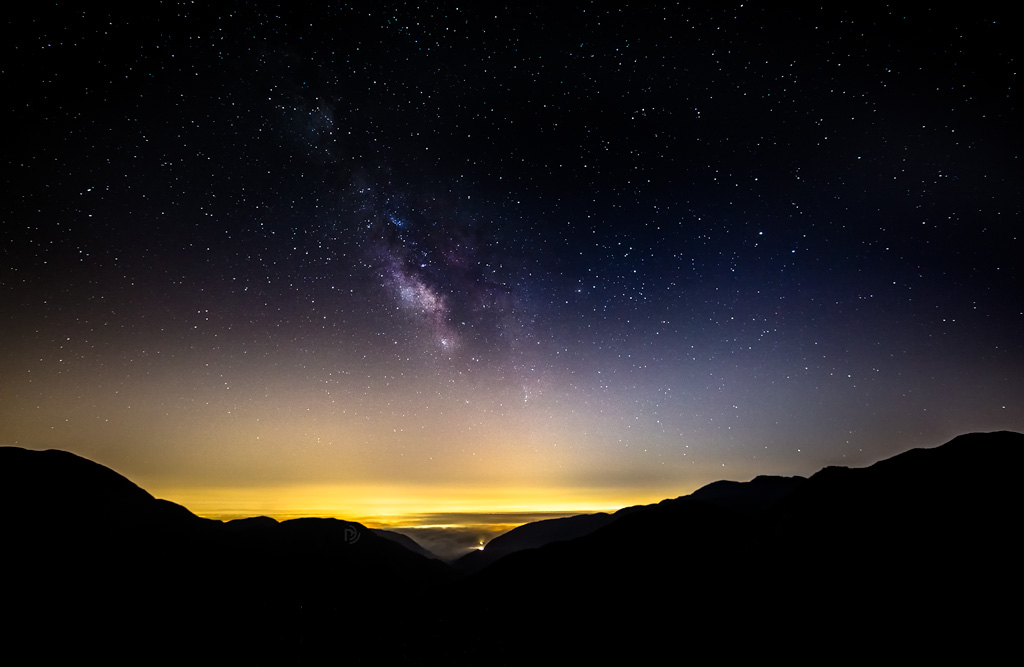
<point x="385" y="505"/>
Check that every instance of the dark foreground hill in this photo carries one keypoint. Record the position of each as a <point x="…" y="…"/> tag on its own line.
<point x="753" y="497"/>
<point x="94" y="564"/>
<point x="915" y="557"/>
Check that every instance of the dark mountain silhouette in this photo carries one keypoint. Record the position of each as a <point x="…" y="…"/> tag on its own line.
<point x="95" y="559"/>
<point x="914" y="557"/>
<point x="753" y="497"/>
<point x="405" y="541"/>
<point x="531" y="536"/>
<point x="910" y="557"/>
<point x="76" y="492"/>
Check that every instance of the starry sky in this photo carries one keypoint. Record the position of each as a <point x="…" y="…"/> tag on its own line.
<point x="377" y="258"/>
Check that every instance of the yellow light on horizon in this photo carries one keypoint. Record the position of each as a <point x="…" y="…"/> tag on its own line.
<point x="390" y="503"/>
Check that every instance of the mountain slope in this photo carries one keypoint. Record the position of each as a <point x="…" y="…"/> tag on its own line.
<point x="914" y="557"/>
<point x="754" y="497"/>
<point x="92" y="557"/>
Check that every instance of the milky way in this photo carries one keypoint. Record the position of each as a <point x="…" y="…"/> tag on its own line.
<point x="432" y="265"/>
<point x="506" y="256"/>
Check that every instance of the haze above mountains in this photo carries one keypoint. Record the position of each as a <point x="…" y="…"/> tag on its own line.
<point x="916" y="554"/>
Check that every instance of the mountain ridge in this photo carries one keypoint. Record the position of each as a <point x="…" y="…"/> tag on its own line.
<point x="123" y="571"/>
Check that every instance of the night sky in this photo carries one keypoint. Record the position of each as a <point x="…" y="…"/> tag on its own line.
<point x="381" y="258"/>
